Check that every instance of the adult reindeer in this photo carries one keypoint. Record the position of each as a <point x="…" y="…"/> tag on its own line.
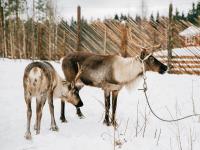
<point x="109" y="72"/>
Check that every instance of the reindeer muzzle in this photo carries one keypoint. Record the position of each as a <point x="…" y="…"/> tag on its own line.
<point x="80" y="104"/>
<point x="163" y="69"/>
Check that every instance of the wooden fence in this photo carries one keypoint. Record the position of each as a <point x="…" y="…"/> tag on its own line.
<point x="184" y="60"/>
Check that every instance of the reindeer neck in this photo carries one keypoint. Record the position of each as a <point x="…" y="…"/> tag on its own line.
<point x="58" y="86"/>
<point x="127" y="69"/>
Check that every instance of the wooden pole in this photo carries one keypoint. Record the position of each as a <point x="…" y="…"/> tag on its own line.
<point x="1" y="13"/>
<point x="32" y="33"/>
<point x="49" y="41"/>
<point x="39" y="42"/>
<point x="24" y="41"/>
<point x="124" y="40"/>
<point x="4" y="35"/>
<point x="169" y="37"/>
<point x="78" y="28"/>
<point x="105" y="36"/>
<point x="1" y="29"/>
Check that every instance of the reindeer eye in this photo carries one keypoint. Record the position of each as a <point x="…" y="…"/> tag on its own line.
<point x="151" y="59"/>
<point x="76" y="92"/>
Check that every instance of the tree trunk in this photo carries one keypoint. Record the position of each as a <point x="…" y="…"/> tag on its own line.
<point x="24" y="42"/>
<point x="11" y="45"/>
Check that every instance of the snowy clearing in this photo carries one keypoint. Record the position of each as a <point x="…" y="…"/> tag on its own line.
<point x="170" y="96"/>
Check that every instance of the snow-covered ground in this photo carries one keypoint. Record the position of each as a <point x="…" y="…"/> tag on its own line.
<point x="185" y="51"/>
<point x="170" y="96"/>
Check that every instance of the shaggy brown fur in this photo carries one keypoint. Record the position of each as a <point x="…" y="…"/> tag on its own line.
<point x="109" y="72"/>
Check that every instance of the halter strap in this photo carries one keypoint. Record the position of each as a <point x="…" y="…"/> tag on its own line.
<point x="144" y="70"/>
<point x="145" y="58"/>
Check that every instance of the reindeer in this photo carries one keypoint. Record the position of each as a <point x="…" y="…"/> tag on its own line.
<point x="109" y="72"/>
<point x="42" y="81"/>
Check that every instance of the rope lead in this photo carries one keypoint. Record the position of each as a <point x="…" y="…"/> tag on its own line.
<point x="147" y="100"/>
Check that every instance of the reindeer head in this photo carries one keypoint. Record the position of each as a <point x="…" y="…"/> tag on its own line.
<point x="71" y="94"/>
<point x="151" y="63"/>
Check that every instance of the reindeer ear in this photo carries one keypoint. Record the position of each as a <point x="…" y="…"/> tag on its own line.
<point x="143" y="54"/>
<point x="72" y="85"/>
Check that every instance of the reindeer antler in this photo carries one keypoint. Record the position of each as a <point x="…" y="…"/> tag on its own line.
<point x="148" y="47"/>
<point x="80" y="70"/>
<point x="155" y="47"/>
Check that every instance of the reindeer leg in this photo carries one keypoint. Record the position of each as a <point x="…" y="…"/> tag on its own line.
<point x="40" y="105"/>
<point x="29" y="114"/>
<point x="78" y="110"/>
<point x="38" y="108"/>
<point x="51" y="108"/>
<point x="114" y="106"/>
<point x="79" y="113"/>
<point x="107" y="107"/>
<point x="36" y="120"/>
<point x="62" y="112"/>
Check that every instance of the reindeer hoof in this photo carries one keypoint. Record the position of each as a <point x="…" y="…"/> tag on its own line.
<point x="63" y="119"/>
<point x="28" y="136"/>
<point x="106" y="122"/>
<point x="81" y="116"/>
<point x="114" y="124"/>
<point x="54" y="128"/>
<point x="37" y="131"/>
<point x="35" y="127"/>
<point x="79" y="113"/>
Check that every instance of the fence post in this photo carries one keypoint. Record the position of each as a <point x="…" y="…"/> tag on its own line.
<point x="124" y="40"/>
<point x="169" y="37"/>
<point x="78" y="28"/>
<point x="105" y="37"/>
<point x="1" y="29"/>
<point x="4" y="32"/>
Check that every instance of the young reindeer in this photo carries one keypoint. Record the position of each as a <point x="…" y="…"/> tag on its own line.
<point x="42" y="81"/>
<point x="109" y="72"/>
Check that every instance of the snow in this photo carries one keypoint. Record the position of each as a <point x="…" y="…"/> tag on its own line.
<point x="185" y="51"/>
<point x="190" y="31"/>
<point x="169" y="95"/>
